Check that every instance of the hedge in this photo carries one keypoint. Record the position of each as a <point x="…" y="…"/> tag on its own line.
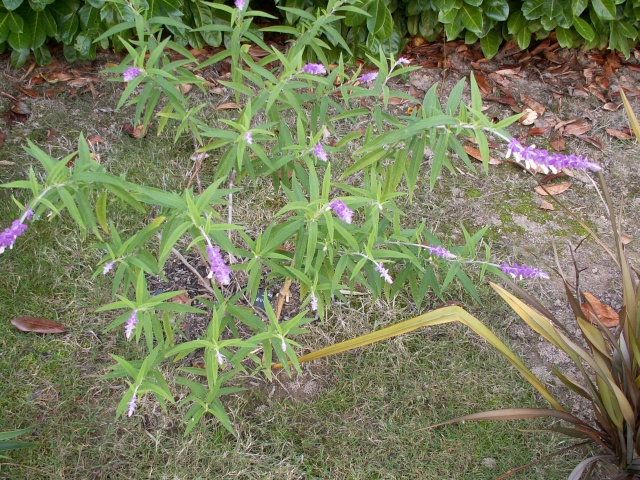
<point x="30" y="26"/>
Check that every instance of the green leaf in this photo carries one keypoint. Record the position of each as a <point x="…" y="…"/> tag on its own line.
<point x="471" y="18"/>
<point x="490" y="43"/>
<point x="605" y="9"/>
<point x="497" y="10"/>
<point x="11" y="4"/>
<point x="20" y="40"/>
<point x="380" y="23"/>
<point x="41" y="24"/>
<point x="583" y="29"/>
<point x="534" y="9"/>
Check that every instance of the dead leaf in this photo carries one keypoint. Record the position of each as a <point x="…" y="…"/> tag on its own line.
<point x="228" y="105"/>
<point x="482" y="82"/>
<point x="594" y="309"/>
<point x="537" y="131"/>
<point x="612" y="107"/>
<point x="508" y="72"/>
<point x="1" y="138"/>
<point x="184" y="88"/>
<point x="20" y="108"/>
<point x="182" y="299"/>
<point x="618" y="134"/>
<point x="533" y="104"/>
<point x="135" y="132"/>
<point x="595" y="141"/>
<point x="555" y="189"/>
<point x="504" y="100"/>
<point x="396" y="101"/>
<point x="579" y="127"/>
<point x="529" y="117"/>
<point x="475" y="153"/>
<point x="28" y="91"/>
<point x="95" y="140"/>
<point x="37" y="325"/>
<point x="558" y="143"/>
<point x="625" y="239"/>
<point x="544" y="205"/>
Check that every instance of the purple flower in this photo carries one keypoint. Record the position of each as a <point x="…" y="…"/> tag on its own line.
<point x="28" y="214"/>
<point x="343" y="212"/>
<point x="384" y="273"/>
<point x="404" y="61"/>
<point x="534" y="158"/>
<point x="320" y="153"/>
<point x="130" y="326"/>
<point x="248" y="137"/>
<point x="368" y="77"/>
<point x="17" y="228"/>
<point x="218" y="267"/>
<point x="132" y="405"/>
<point x="314" y="302"/>
<point x="283" y="344"/>
<point x="107" y="267"/>
<point x="441" y="252"/>
<point x="240" y="4"/>
<point x="131" y="73"/>
<point x="523" y="271"/>
<point x="314" y="69"/>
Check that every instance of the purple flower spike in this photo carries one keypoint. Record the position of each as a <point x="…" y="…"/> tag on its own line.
<point x="130" y="326"/>
<point x="314" y="69"/>
<point x="533" y="158"/>
<point x="404" y="61"/>
<point x="132" y="405"/>
<point x="384" y="273"/>
<point x="343" y="212"/>
<point x="320" y="153"/>
<point x="523" y="271"/>
<point x="314" y="302"/>
<point x="441" y="252"/>
<point x="131" y="73"/>
<point x="248" y="137"/>
<point x="368" y="77"/>
<point x="28" y="214"/>
<point x="240" y="4"/>
<point x="218" y="268"/>
<point x="17" y="228"/>
<point x="107" y="267"/>
<point x="221" y="358"/>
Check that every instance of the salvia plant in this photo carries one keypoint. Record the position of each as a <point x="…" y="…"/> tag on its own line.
<point x="331" y="236"/>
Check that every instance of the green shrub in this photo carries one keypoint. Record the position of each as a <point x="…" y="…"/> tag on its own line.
<point x="27" y="26"/>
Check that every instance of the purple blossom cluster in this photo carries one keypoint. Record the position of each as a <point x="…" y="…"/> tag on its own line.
<point x="17" y="228"/>
<point x="248" y="137"/>
<point x="107" y="267"/>
<point x="523" y="271"/>
<point x="384" y="273"/>
<point x="368" y="77"/>
<point x="218" y="269"/>
<point x="221" y="358"/>
<point x="240" y="4"/>
<point x="132" y="405"/>
<point x="130" y="326"/>
<point x="131" y="73"/>
<point x="535" y="158"/>
<point x="441" y="252"/>
<point x="320" y="152"/>
<point x="314" y="69"/>
<point x="343" y="212"/>
<point x="314" y="302"/>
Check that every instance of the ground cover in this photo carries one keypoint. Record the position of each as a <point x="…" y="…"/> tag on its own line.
<point x="360" y="415"/>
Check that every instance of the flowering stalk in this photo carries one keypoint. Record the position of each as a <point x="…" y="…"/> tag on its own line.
<point x="131" y="73"/>
<point x="218" y="268"/>
<point x="535" y="158"/>
<point x="384" y="273"/>
<point x="320" y="152"/>
<point x="314" y="302"/>
<point x="17" y="228"/>
<point x="132" y="403"/>
<point x="343" y="212"/>
<point x="130" y="326"/>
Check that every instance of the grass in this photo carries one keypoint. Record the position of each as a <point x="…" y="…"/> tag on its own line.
<point x="361" y="415"/>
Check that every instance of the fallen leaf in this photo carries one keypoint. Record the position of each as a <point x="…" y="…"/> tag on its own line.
<point x="28" y="91"/>
<point x="579" y="127"/>
<point x="595" y="141"/>
<point x="37" y="325"/>
<point x="504" y="100"/>
<point x="625" y="239"/>
<point x="396" y="101"/>
<point x="475" y="153"/>
<point x="182" y="299"/>
<point x="95" y="140"/>
<point x="228" y="105"/>
<point x="482" y="82"/>
<point x="537" y="131"/>
<point x="135" y="132"/>
<point x="508" y="72"/>
<point x="533" y="104"/>
<point x="529" y="117"/>
<point x="20" y="108"/>
<point x="603" y="82"/>
<point x="1" y="138"/>
<point x="594" y="309"/>
<point x="612" y="107"/>
<point x="555" y="189"/>
<point x="184" y="88"/>
<point x="544" y="205"/>
<point x="618" y="134"/>
<point x="51" y="134"/>
<point x="557" y="143"/>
